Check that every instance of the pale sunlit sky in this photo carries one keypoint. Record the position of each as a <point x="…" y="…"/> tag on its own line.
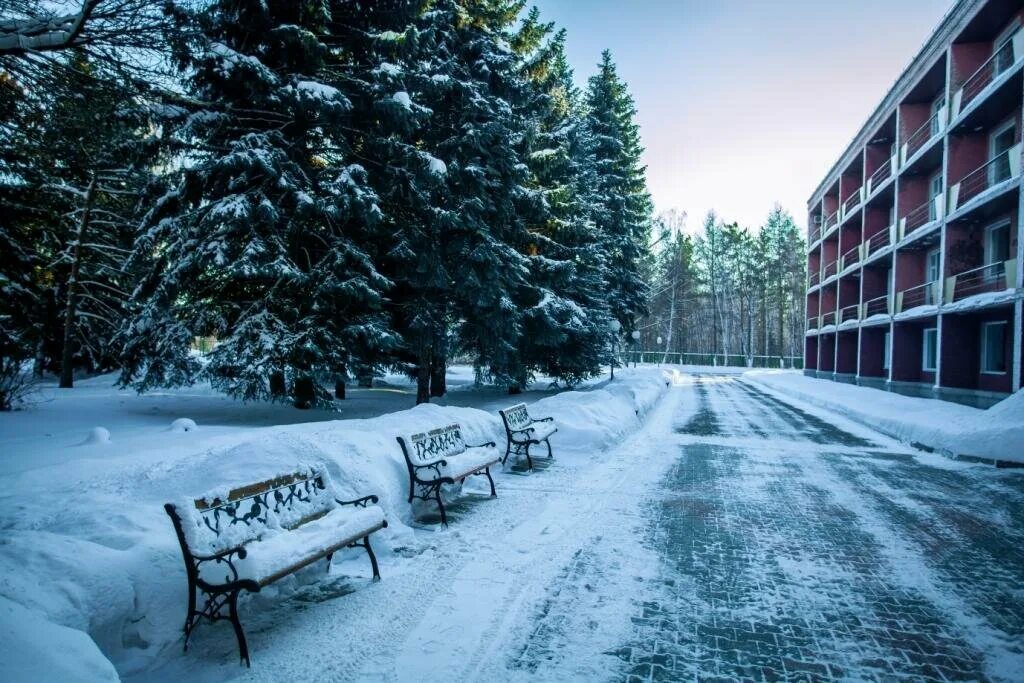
<point x="744" y="103"/>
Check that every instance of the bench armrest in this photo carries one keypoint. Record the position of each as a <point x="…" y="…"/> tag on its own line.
<point x="222" y="556"/>
<point x="545" y="419"/>
<point x="359" y="502"/>
<point x="486" y="444"/>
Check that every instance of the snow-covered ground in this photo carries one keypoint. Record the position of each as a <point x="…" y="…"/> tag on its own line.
<point x="952" y="429"/>
<point x="87" y="548"/>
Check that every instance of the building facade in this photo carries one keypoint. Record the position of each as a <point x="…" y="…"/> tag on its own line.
<point x="914" y="252"/>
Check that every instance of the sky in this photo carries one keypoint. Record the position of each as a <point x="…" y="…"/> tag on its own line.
<point x="745" y="103"/>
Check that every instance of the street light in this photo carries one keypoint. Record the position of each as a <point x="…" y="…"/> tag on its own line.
<point x="666" y="350"/>
<point x="614" y="326"/>
<point x="636" y="338"/>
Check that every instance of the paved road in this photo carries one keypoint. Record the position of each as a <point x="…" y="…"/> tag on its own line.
<point x="791" y="549"/>
<point x="735" y="536"/>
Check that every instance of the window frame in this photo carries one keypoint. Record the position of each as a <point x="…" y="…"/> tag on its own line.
<point x="1000" y="42"/>
<point x="985" y="327"/>
<point x="987" y="247"/>
<point x="887" y="350"/>
<point x="924" y="349"/>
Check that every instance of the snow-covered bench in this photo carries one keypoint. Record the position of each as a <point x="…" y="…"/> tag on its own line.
<point x="441" y="456"/>
<point x="522" y="431"/>
<point x="251" y="536"/>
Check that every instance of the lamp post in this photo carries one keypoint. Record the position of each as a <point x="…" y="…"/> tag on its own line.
<point x="614" y="326"/>
<point x="659" y="346"/>
<point x="636" y="338"/>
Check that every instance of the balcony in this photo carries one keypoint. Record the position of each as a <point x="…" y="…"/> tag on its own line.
<point x="995" y="277"/>
<point x="882" y="174"/>
<point x="1000" y="169"/>
<point x="998" y="64"/>
<point x="830" y="270"/>
<point x="813" y="278"/>
<point x="849" y="313"/>
<point x="928" y="212"/>
<point x="877" y="306"/>
<point x="881" y="239"/>
<point x="813" y="234"/>
<point x="921" y="295"/>
<point x="923" y="135"/>
<point x="830" y="223"/>
<point x="851" y="203"/>
<point x="850" y="258"/>
<point x="828" y="318"/>
<point x="812" y="322"/>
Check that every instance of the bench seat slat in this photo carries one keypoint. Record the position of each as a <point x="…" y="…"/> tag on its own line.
<point x="282" y="552"/>
<point x="473" y="460"/>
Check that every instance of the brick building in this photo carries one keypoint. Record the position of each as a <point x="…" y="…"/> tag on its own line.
<point x="914" y="257"/>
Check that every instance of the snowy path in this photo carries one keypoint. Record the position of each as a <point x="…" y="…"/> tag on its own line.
<point x="735" y="536"/>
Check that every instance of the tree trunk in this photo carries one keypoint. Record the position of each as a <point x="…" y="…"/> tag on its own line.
<point x="339" y="389"/>
<point x="278" y="386"/>
<point x="304" y="392"/>
<point x="438" y="369"/>
<point x="67" y="377"/>
<point x="423" y="377"/>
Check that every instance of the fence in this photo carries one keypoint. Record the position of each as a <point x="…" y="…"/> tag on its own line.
<point x="710" y="359"/>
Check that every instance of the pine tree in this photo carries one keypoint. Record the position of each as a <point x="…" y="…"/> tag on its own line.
<point x="258" y="240"/>
<point x="623" y="208"/>
<point x="566" y="322"/>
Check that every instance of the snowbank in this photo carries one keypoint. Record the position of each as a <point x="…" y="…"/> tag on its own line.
<point x="96" y="552"/>
<point x="949" y="428"/>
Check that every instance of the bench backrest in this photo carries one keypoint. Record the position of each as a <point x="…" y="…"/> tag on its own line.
<point x="247" y="512"/>
<point x="429" y="447"/>
<point x="516" y="417"/>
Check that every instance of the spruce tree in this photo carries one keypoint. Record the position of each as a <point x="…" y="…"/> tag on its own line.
<point x="259" y="239"/>
<point x="623" y="206"/>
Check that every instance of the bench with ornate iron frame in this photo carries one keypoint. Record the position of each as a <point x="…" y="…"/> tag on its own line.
<point x="262" y="532"/>
<point x="440" y="457"/>
<point x="522" y="431"/>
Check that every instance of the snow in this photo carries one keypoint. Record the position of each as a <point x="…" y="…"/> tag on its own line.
<point x="100" y="532"/>
<point x="183" y="424"/>
<point x="403" y="99"/>
<point x="980" y="301"/>
<point x="877" y="318"/>
<point x="437" y="167"/>
<point x="917" y="312"/>
<point x="97" y="435"/>
<point x="950" y="428"/>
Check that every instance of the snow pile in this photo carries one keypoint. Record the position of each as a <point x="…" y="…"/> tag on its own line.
<point x="949" y="428"/>
<point x="97" y="435"/>
<point x="183" y="424"/>
<point x="100" y="532"/>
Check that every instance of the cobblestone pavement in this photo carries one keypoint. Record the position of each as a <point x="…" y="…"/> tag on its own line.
<point x="790" y="549"/>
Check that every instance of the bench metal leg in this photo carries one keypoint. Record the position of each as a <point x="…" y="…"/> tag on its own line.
<point x="440" y="506"/>
<point x="548" y="442"/>
<point x="373" y="558"/>
<point x="487" y="471"/>
<point x="529" y="460"/>
<point x="243" y="648"/>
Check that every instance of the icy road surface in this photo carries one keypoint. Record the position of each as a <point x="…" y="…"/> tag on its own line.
<point x="736" y="536"/>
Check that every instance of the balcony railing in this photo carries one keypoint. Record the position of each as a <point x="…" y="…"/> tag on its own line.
<point x="830" y="222"/>
<point x="813" y="233"/>
<point x="829" y="270"/>
<point x="920" y="137"/>
<point x="883" y="173"/>
<point x="876" y="306"/>
<point x="996" y="171"/>
<point x="880" y="239"/>
<point x="812" y="322"/>
<point x="849" y="313"/>
<point x="994" y="277"/>
<point x="813" y="278"/>
<point x="828" y="318"/>
<point x="852" y="202"/>
<point x="931" y="210"/>
<point x="997" y="64"/>
<point x="921" y="295"/>
<point x="850" y="258"/>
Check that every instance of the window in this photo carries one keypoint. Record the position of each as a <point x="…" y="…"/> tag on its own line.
<point x="997" y="243"/>
<point x="934" y="190"/>
<point x="999" y="143"/>
<point x="1002" y="49"/>
<point x="993" y="348"/>
<point x="937" y="106"/>
<point x="931" y="271"/>
<point x="930" y="352"/>
<point x="886" y="350"/>
<point x="892" y="215"/>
